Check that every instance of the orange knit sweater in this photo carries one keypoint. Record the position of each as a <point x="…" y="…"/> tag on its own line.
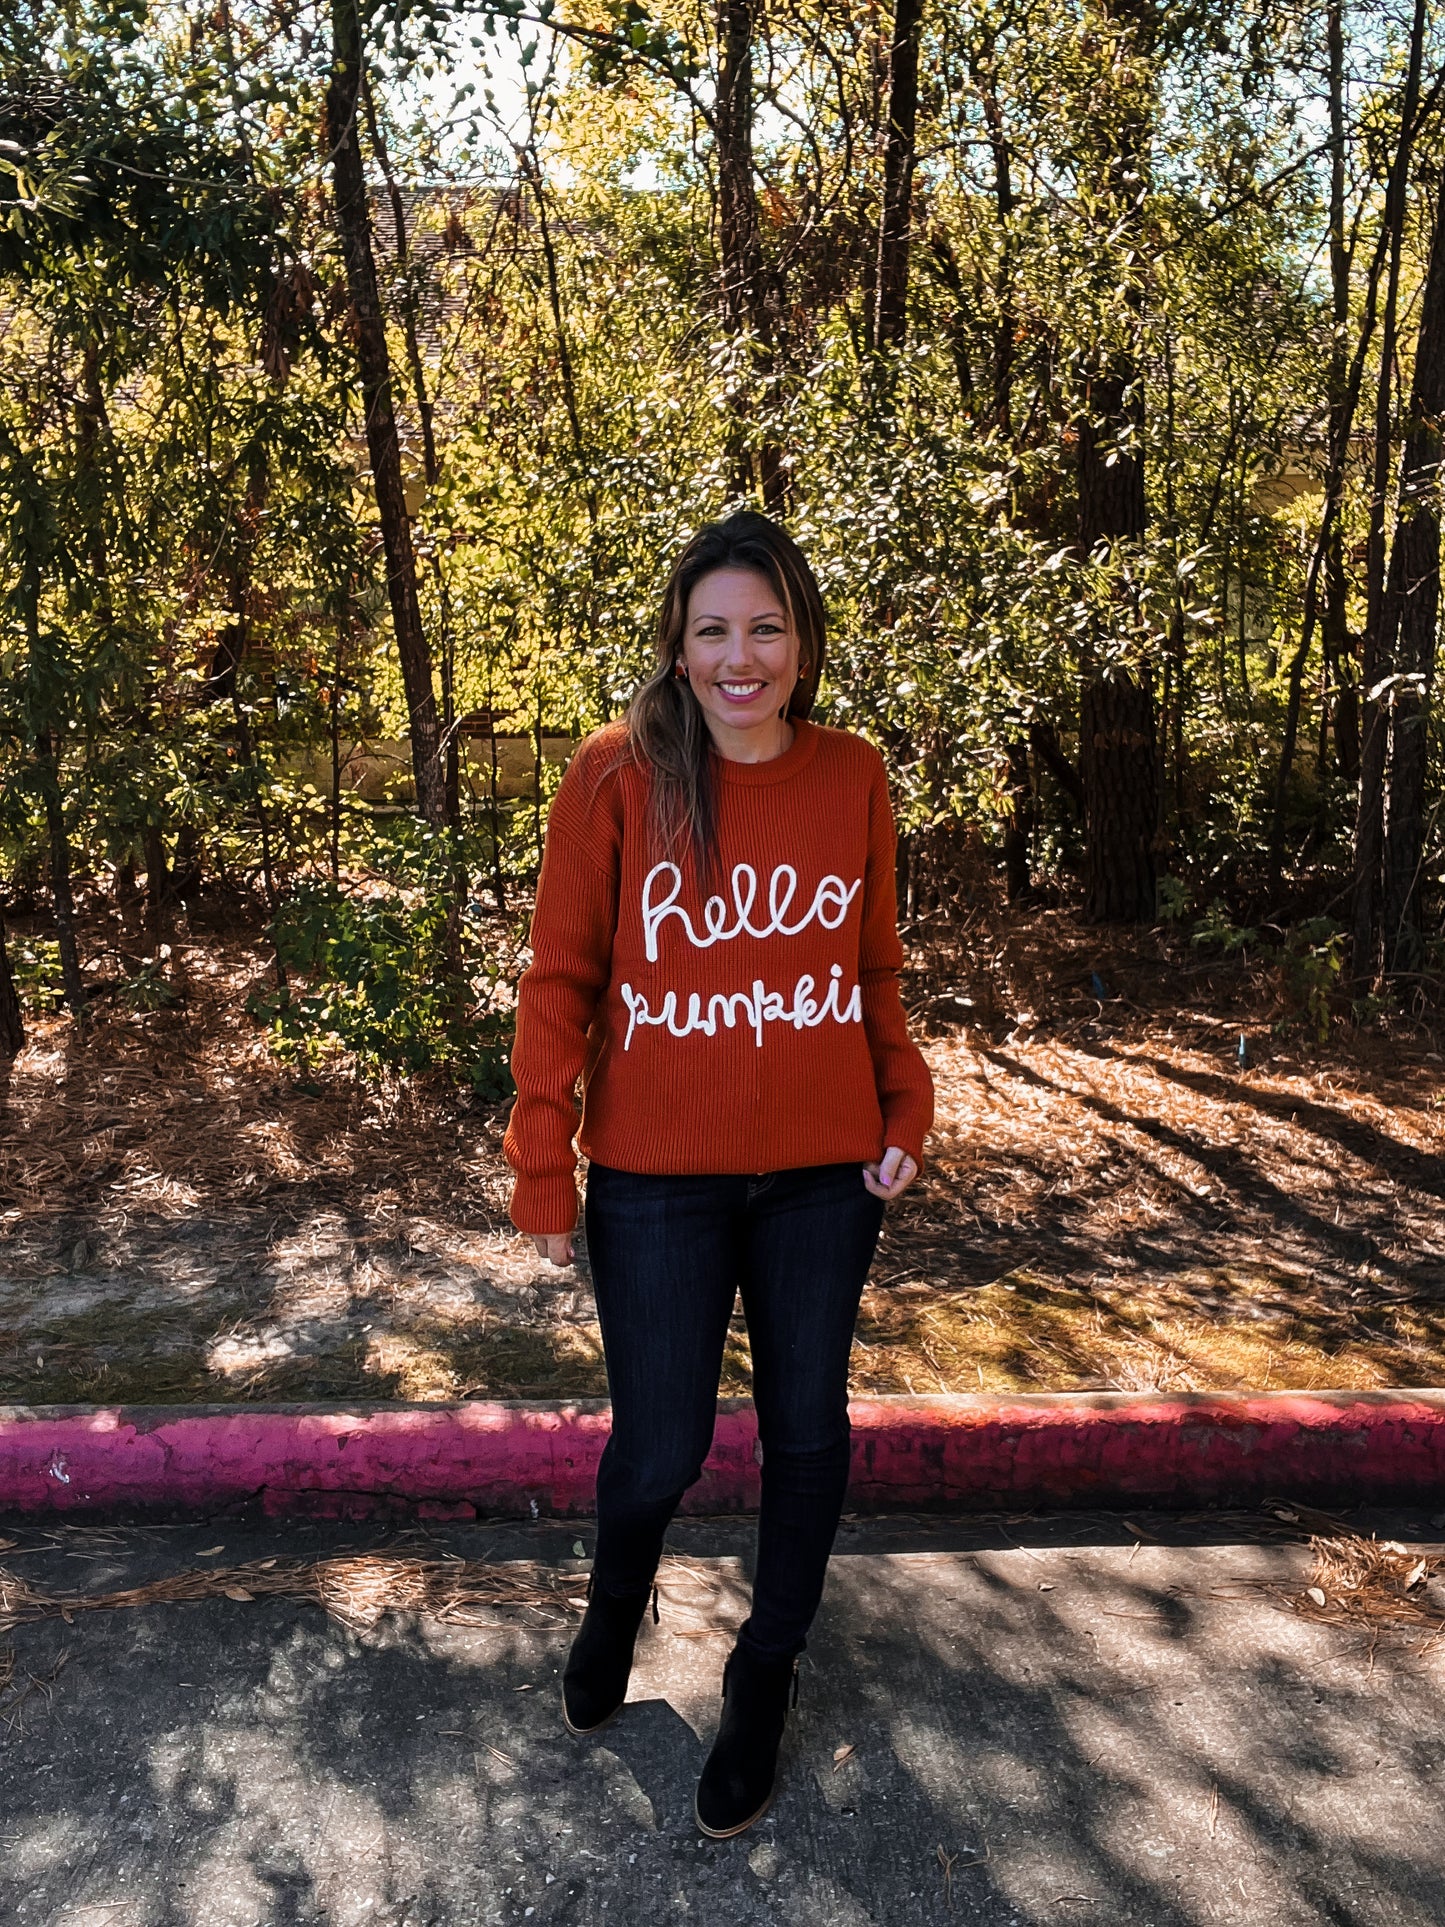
<point x="757" y="1031"/>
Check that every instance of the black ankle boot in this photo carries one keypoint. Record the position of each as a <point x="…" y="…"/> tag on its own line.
<point x="594" y="1680"/>
<point x="737" y="1781"/>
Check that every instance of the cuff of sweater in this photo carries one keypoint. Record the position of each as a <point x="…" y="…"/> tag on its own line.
<point x="544" y="1207"/>
<point x="908" y="1134"/>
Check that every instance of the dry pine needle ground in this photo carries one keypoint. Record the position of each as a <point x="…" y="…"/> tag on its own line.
<point x="1373" y="1584"/>
<point x="355" y="1589"/>
<point x="1110" y="1202"/>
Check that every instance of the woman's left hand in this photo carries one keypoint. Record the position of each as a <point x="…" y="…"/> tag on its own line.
<point x="892" y="1175"/>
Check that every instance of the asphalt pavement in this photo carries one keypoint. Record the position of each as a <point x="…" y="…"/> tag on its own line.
<point x="1026" y="1723"/>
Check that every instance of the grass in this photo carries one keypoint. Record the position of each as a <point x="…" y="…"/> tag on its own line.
<point x="1027" y="1333"/>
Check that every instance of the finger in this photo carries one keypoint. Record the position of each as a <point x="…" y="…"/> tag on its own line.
<point x="888" y="1169"/>
<point x="870" y="1181"/>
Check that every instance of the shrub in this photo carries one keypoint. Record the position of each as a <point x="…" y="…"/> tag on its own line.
<point x="396" y="972"/>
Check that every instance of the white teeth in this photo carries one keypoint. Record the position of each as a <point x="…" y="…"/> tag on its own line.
<point x="740" y="688"/>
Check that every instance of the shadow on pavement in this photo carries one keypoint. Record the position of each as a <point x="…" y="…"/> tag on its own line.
<point x="1116" y="1730"/>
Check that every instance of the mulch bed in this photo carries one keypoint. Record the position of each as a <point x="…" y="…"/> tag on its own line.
<point x="1111" y="1201"/>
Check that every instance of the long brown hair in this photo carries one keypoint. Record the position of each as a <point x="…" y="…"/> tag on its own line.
<point x="666" y="729"/>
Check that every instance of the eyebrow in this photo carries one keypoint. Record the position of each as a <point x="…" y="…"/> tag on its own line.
<point x="763" y="615"/>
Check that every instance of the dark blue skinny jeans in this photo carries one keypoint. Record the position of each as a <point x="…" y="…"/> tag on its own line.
<point x="668" y="1256"/>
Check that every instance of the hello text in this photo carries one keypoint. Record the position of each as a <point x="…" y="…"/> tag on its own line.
<point x="722" y="921"/>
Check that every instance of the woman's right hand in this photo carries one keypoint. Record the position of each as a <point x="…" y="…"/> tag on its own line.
<point x="556" y="1247"/>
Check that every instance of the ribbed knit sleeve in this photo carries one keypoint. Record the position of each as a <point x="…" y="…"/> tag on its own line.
<point x="572" y="931"/>
<point x="905" y="1088"/>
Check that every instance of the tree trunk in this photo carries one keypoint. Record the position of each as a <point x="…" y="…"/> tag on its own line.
<point x="1116" y="715"/>
<point x="1334" y="625"/>
<point x="1341" y="430"/>
<point x="1116" y="754"/>
<point x="945" y="266"/>
<point x="12" y="1023"/>
<point x="1381" y="608"/>
<point x="1110" y="454"/>
<point x="1413" y="620"/>
<point x="353" y="220"/>
<point x="1005" y="324"/>
<point x="230" y="650"/>
<point x="1111" y="462"/>
<point x="189" y="869"/>
<point x="431" y="466"/>
<point x="751" y="298"/>
<point x="408" y="303"/>
<point x="1019" y="825"/>
<point x="158" y="877"/>
<point x="1173" y="694"/>
<point x="60" y="892"/>
<point x="1045" y="744"/>
<point x="1340" y="656"/>
<point x="895" y="224"/>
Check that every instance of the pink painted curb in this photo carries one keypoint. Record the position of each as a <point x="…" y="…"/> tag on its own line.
<point x="515" y="1459"/>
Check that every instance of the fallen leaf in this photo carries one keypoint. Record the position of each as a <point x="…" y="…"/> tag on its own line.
<point x="266" y="1564"/>
<point x="238" y="1592"/>
<point x="210" y="1552"/>
<point x="1290" y="1518"/>
<point x="1417" y="1573"/>
<point x="579" y="1551"/>
<point x="842" y="1753"/>
<point x="1316" y="1593"/>
<point x="1046" y="1585"/>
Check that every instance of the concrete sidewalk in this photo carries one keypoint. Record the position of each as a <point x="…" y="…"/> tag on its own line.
<point x="1050" y="1722"/>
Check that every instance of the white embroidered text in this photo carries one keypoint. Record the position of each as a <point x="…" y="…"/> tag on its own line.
<point x="755" y="1007"/>
<point x="663" y="884"/>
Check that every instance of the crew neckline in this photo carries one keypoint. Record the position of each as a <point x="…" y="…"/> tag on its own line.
<point x="777" y="769"/>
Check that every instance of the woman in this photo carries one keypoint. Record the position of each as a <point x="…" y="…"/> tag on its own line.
<point x="715" y="954"/>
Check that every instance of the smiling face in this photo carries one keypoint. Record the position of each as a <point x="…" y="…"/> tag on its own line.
<point x="740" y="653"/>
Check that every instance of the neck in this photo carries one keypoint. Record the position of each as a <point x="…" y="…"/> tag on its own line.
<point x="760" y="745"/>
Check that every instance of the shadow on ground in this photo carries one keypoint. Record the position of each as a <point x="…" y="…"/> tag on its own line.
<point x="1019" y="1735"/>
<point x="1109" y="1204"/>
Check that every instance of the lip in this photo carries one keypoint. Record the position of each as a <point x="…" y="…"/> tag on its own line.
<point x="740" y="700"/>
